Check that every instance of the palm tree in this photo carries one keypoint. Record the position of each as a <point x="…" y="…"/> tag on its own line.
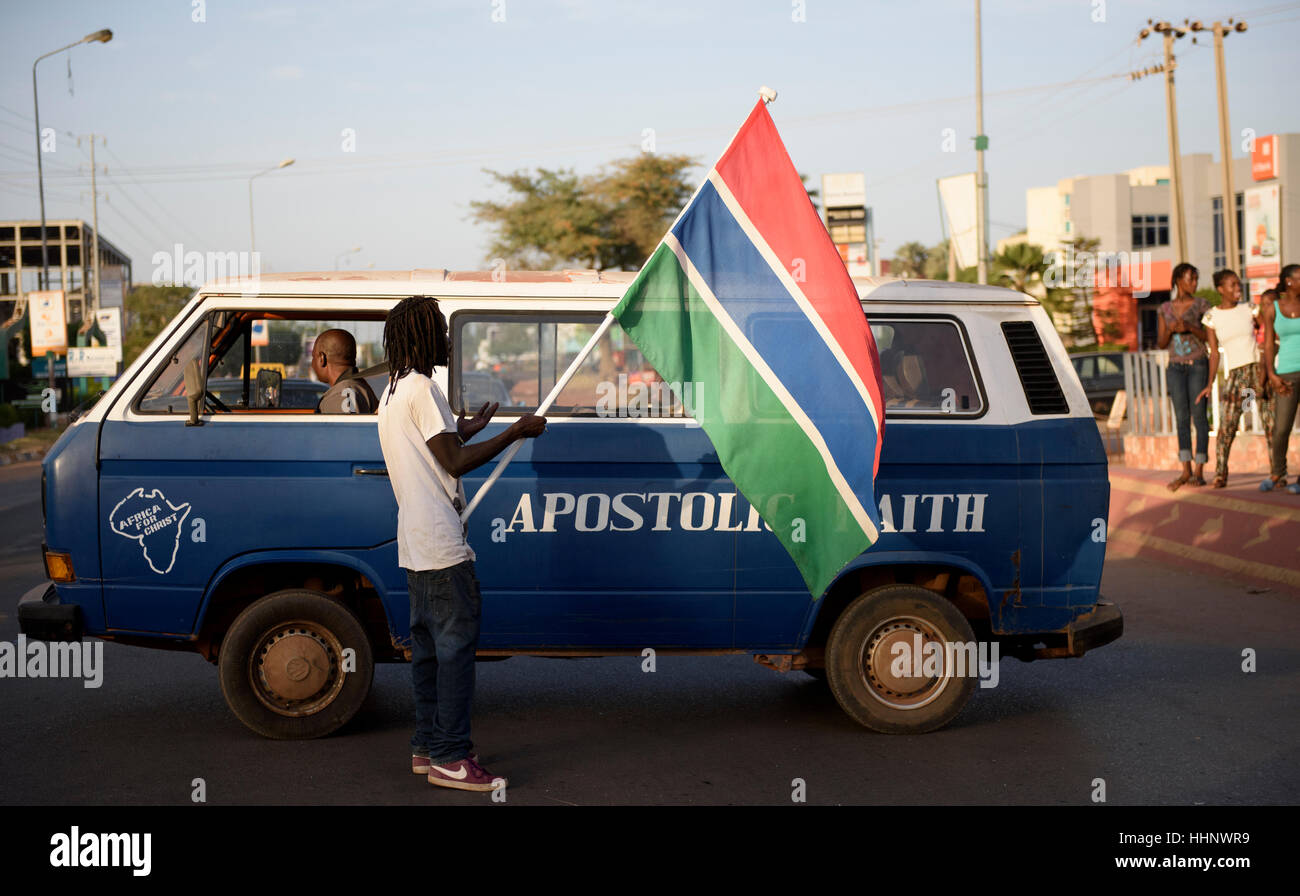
<point x="1019" y="266"/>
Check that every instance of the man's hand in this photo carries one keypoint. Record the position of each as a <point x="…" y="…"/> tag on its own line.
<point x="529" y="426"/>
<point x="467" y="429"/>
<point x="1202" y="395"/>
<point x="1279" y="385"/>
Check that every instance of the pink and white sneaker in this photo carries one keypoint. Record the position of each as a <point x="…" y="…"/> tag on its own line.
<point x="465" y="775"/>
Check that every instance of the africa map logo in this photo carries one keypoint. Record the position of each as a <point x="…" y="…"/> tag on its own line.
<point x="154" y="522"/>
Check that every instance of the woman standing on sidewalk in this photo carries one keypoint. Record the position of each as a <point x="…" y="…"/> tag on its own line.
<point x="1282" y="334"/>
<point x="1231" y="327"/>
<point x="1188" y="373"/>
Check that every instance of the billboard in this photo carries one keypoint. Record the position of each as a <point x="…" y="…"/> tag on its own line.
<point x="110" y="323"/>
<point x="844" y="197"/>
<point x="957" y="194"/>
<point x="1263" y="231"/>
<point x="91" y="361"/>
<point x="1263" y="158"/>
<point x="48" y="321"/>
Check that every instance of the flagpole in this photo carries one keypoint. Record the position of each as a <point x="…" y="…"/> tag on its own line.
<point x="540" y="412"/>
<point x="767" y="95"/>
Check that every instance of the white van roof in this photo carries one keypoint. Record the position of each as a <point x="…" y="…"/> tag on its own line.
<point x="441" y="281"/>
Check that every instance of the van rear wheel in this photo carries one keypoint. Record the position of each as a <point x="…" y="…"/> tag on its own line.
<point x="296" y="664"/>
<point x="872" y="658"/>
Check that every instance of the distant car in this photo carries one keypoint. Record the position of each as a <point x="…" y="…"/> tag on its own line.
<point x="1102" y="375"/>
<point x="477" y="387"/>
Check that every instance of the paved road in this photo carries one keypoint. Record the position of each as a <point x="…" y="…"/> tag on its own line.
<point x="1164" y="716"/>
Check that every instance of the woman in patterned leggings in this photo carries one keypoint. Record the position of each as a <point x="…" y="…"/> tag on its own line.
<point x="1231" y="328"/>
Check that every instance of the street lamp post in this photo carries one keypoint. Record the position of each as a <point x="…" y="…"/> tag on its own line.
<point x="102" y="36"/>
<point x="252" y="239"/>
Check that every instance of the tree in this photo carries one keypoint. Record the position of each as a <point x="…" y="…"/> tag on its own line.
<point x="1070" y="303"/>
<point x="638" y="199"/>
<point x="549" y="222"/>
<point x="910" y="260"/>
<point x="148" y="309"/>
<point x="1019" y="266"/>
<point x="612" y="219"/>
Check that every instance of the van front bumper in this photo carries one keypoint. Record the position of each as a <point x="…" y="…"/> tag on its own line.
<point x="42" y="616"/>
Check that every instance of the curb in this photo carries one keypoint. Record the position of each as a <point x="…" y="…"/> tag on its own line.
<point x="22" y="457"/>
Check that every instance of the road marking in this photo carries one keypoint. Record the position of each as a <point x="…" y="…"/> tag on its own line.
<point x="1213" y="558"/>
<point x="1259" y="508"/>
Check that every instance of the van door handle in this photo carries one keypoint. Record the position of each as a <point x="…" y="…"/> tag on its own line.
<point x="369" y="471"/>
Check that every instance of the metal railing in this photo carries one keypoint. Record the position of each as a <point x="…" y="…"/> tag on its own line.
<point x="1150" y="412"/>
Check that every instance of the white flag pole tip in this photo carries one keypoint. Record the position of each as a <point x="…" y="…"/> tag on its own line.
<point x="767" y="94"/>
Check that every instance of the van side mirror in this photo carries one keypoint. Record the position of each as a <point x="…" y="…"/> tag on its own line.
<point x="193" y="391"/>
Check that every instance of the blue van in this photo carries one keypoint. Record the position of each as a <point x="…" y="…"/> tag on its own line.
<point x="198" y="507"/>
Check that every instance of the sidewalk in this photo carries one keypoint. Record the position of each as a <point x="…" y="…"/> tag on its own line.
<point x="1238" y="532"/>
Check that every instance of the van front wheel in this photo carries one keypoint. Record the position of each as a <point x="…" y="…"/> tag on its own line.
<point x="296" y="664"/>
<point x="889" y="664"/>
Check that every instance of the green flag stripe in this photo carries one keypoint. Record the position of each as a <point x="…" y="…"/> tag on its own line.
<point x="768" y="456"/>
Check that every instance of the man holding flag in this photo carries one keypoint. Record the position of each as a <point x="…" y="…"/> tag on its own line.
<point x="748" y="298"/>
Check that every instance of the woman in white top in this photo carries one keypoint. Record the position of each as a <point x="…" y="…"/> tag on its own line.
<point x="1231" y="327"/>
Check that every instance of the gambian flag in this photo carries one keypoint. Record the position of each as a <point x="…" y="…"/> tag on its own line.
<point x="747" y="298"/>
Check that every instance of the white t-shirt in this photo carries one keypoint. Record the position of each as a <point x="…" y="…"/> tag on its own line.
<point x="429" y="530"/>
<point x="1235" y="329"/>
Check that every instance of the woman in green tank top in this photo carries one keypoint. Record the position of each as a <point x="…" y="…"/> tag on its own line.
<point x="1282" y="337"/>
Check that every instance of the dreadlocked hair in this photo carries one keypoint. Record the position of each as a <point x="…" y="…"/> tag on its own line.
<point x="415" y="338"/>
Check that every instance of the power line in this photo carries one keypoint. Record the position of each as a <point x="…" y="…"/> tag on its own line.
<point x="122" y="167"/>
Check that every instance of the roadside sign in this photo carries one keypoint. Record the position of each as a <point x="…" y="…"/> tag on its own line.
<point x="49" y="323"/>
<point x="110" y="322"/>
<point x="40" y="370"/>
<point x="92" y="361"/>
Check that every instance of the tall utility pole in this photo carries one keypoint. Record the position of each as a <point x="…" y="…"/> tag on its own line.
<point x="1230" y="236"/>
<point x="1179" y="229"/>
<point x="93" y="304"/>
<point x="981" y="143"/>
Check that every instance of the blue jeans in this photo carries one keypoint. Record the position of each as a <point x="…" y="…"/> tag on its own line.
<point x="445" y="607"/>
<point x="1185" y="383"/>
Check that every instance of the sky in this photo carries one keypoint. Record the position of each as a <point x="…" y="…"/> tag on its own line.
<point x="193" y="97"/>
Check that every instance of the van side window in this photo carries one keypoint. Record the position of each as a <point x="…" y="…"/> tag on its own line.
<point x="516" y="359"/>
<point x="260" y="361"/>
<point x="166" y="394"/>
<point x="926" y="367"/>
<point x="273" y="357"/>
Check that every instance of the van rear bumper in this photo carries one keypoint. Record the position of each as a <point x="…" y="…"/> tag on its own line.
<point x="1096" y="629"/>
<point x="42" y="616"/>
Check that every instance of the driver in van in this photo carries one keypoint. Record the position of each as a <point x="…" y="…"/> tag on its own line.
<point x="334" y="363"/>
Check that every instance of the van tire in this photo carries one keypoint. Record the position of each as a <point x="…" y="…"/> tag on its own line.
<point x="859" y="655"/>
<point x="281" y="665"/>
